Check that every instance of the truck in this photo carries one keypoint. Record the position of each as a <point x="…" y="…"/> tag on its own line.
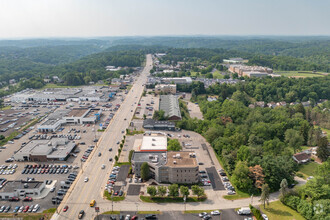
<point x="244" y="211"/>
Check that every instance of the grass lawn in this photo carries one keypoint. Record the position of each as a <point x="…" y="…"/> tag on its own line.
<point x="170" y="199"/>
<point x="107" y="195"/>
<point x="198" y="211"/>
<point x="193" y="73"/>
<point x="299" y="73"/>
<point x="30" y="216"/>
<point x="111" y="213"/>
<point x="149" y="212"/>
<point x="217" y="75"/>
<point x="278" y="211"/>
<point x="308" y="169"/>
<point x="6" y="107"/>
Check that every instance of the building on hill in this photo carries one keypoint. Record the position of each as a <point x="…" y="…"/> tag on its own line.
<point x="170" y="105"/>
<point x="234" y="60"/>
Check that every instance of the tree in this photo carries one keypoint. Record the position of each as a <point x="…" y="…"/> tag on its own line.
<point x="161" y="190"/>
<point x="130" y="155"/>
<point x="116" y="158"/>
<point x="322" y="150"/>
<point x="173" y="145"/>
<point x="240" y="177"/>
<point x="198" y="191"/>
<point x="257" y="175"/>
<point x="152" y="191"/>
<point x="173" y="190"/>
<point x="145" y="171"/>
<point x="184" y="190"/>
<point x="264" y="194"/>
<point x="294" y="139"/>
<point x="284" y="188"/>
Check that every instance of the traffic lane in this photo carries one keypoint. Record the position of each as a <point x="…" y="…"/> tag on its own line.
<point x="103" y="143"/>
<point x="215" y="179"/>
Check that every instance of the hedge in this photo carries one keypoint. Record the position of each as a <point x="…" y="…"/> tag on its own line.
<point x="256" y="213"/>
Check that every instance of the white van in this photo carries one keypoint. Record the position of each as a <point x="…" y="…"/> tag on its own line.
<point x="244" y="211"/>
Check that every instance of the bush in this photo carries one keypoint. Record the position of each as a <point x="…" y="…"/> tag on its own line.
<point x="291" y="201"/>
<point x="305" y="209"/>
<point x="256" y="213"/>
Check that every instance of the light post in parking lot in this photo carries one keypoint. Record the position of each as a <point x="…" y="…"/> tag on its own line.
<point x="184" y="200"/>
<point x="112" y="200"/>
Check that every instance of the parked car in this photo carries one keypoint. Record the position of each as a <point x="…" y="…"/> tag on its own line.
<point x="216" y="212"/>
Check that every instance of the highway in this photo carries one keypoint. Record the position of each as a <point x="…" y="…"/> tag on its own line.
<point x="81" y="193"/>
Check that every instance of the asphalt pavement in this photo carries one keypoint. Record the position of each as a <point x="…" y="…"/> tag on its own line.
<point x="80" y="195"/>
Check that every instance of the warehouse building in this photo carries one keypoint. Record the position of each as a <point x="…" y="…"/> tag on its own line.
<point x="21" y="189"/>
<point x="55" y="149"/>
<point x="168" y="167"/>
<point x="91" y="93"/>
<point x="170" y="105"/>
<point x="67" y="116"/>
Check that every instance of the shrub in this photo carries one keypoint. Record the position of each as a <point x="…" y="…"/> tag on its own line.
<point x="256" y="213"/>
<point x="292" y="201"/>
<point x="305" y="209"/>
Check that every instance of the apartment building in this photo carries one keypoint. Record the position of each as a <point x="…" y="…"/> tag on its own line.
<point x="165" y="88"/>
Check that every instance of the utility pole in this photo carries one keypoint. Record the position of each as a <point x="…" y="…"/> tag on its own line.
<point x="112" y="200"/>
<point x="184" y="200"/>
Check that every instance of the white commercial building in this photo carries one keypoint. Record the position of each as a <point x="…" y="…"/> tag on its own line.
<point x="154" y="143"/>
<point x="21" y="189"/>
<point x="45" y="150"/>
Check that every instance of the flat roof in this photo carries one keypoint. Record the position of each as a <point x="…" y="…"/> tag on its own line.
<point x="12" y="186"/>
<point x="77" y="112"/>
<point x="154" y="143"/>
<point x="180" y="159"/>
<point x="53" y="148"/>
<point x="156" y="158"/>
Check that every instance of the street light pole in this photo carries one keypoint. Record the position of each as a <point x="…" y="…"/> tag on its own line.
<point x="112" y="200"/>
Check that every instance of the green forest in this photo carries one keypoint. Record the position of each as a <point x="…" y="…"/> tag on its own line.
<point x="246" y="137"/>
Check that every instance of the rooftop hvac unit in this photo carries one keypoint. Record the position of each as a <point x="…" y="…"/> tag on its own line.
<point x="150" y="156"/>
<point x="153" y="139"/>
<point x="178" y="155"/>
<point x="155" y="160"/>
<point x="174" y="156"/>
<point x="174" y="162"/>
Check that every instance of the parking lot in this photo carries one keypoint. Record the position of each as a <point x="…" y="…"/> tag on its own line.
<point x="147" y="106"/>
<point x="54" y="172"/>
<point x="226" y="214"/>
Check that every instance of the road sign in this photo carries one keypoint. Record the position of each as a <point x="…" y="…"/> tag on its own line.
<point x="97" y="209"/>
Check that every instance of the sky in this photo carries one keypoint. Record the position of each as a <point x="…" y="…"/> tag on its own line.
<point x="92" y="18"/>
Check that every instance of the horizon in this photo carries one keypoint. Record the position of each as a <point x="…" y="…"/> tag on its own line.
<point x="21" y="19"/>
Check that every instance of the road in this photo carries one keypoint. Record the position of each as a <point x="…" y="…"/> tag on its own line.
<point x="80" y="194"/>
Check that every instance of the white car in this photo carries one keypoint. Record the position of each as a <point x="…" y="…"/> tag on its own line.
<point x="216" y="212"/>
<point x="264" y="216"/>
<point x="201" y="215"/>
<point x="86" y="179"/>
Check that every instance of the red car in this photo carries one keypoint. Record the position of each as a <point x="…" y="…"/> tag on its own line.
<point x="13" y="199"/>
<point x="26" y="208"/>
<point x="27" y="199"/>
<point x="65" y="208"/>
<point x="134" y="217"/>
